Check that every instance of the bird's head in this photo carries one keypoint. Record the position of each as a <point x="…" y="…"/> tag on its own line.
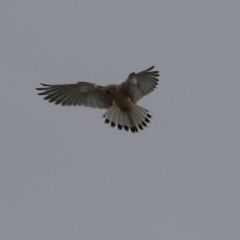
<point x="110" y="90"/>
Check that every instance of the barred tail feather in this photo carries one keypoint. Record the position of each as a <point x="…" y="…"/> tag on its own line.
<point x="133" y="119"/>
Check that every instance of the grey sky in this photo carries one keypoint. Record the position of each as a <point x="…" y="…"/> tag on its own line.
<point x="64" y="174"/>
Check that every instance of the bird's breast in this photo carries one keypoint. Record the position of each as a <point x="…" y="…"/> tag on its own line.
<point x="122" y="101"/>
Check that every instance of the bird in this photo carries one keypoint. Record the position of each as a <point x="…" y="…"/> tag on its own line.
<point x="119" y="100"/>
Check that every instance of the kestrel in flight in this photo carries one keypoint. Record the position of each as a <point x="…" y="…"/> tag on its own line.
<point x="120" y="100"/>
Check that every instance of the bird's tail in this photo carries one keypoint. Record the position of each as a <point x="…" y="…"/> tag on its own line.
<point x="136" y="117"/>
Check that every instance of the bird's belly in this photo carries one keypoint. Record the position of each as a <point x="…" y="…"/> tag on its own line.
<point x="123" y="102"/>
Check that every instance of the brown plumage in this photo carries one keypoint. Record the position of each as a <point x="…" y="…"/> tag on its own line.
<point x="120" y="100"/>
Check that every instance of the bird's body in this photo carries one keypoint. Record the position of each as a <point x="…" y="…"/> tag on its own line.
<point x="120" y="100"/>
<point x="117" y="96"/>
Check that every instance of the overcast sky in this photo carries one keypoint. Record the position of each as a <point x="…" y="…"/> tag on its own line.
<point x="65" y="174"/>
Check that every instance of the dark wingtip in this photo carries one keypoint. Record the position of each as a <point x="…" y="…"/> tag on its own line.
<point x="41" y="89"/>
<point x="43" y="84"/>
<point x="120" y="126"/>
<point x="126" y="128"/>
<point x="107" y="121"/>
<point x="140" y="126"/>
<point x="150" y="68"/>
<point x="134" y="129"/>
<point x="144" y="124"/>
<point x="149" y="116"/>
<point x="147" y="120"/>
<point x="113" y="124"/>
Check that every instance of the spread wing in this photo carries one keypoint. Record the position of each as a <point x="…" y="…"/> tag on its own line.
<point x="81" y="93"/>
<point x="140" y="84"/>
